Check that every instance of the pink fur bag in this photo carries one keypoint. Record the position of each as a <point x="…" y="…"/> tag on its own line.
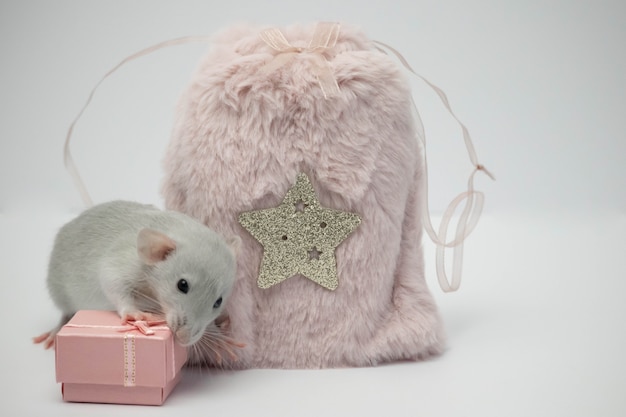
<point x="302" y="141"/>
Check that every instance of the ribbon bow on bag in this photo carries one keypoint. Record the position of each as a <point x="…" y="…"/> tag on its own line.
<point x="324" y="38"/>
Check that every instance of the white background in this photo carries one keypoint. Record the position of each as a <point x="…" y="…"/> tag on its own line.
<point x="538" y="325"/>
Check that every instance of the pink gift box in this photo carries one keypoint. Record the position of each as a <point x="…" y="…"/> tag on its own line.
<point x="99" y="360"/>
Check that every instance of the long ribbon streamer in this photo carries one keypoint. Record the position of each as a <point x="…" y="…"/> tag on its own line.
<point x="67" y="156"/>
<point x="474" y="200"/>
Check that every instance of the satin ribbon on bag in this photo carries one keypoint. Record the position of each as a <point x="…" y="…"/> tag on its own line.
<point x="67" y="155"/>
<point x="324" y="39"/>
<point x="474" y="200"/>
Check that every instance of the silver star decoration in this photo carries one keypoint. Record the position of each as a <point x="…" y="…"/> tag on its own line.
<point x="299" y="237"/>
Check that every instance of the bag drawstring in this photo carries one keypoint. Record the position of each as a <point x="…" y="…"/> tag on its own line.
<point x="474" y="200"/>
<point x="67" y="156"/>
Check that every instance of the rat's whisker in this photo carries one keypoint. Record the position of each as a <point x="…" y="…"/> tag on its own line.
<point x="210" y="349"/>
<point x="147" y="302"/>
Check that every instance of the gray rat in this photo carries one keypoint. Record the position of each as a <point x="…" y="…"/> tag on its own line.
<point x="142" y="262"/>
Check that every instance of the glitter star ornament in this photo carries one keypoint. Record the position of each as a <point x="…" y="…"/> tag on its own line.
<point x="299" y="237"/>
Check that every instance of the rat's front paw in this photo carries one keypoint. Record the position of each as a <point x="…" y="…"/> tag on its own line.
<point x="46" y="338"/>
<point x="133" y="316"/>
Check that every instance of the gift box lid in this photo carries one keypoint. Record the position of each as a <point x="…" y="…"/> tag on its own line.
<point x="95" y="348"/>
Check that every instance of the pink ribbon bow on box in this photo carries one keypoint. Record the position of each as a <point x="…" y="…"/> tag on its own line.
<point x="324" y="38"/>
<point x="145" y="327"/>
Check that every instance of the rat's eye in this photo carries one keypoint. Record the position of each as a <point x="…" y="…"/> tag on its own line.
<point x="183" y="286"/>
<point x="218" y="303"/>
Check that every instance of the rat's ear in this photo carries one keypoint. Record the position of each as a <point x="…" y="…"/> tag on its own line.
<point x="153" y="246"/>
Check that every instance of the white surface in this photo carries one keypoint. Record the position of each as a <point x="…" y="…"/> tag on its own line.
<point x="537" y="327"/>
<point x="536" y="330"/>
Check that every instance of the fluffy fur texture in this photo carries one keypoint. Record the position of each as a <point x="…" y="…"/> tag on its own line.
<point x="240" y="139"/>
